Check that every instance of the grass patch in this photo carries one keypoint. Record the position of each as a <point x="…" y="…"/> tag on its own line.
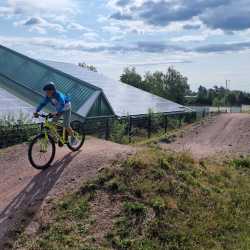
<point x="241" y="163"/>
<point x="68" y="230"/>
<point x="169" y="201"/>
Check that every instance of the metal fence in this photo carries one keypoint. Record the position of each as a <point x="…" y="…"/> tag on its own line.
<point x="123" y="130"/>
<point x="220" y="109"/>
<point x="131" y="127"/>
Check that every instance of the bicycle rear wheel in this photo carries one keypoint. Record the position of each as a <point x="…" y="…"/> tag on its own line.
<point x="42" y="152"/>
<point x="79" y="136"/>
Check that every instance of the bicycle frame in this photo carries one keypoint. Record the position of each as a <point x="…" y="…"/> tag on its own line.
<point x="51" y="127"/>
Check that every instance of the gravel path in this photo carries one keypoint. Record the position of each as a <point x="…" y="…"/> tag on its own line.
<point x="222" y="134"/>
<point x="24" y="191"/>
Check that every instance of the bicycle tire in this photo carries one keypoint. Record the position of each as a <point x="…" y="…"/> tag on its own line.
<point x="78" y="127"/>
<point x="32" y="162"/>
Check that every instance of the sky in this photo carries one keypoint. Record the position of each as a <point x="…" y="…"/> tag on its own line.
<point x="206" y="40"/>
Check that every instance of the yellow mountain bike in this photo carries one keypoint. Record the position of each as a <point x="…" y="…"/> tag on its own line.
<point x="42" y="148"/>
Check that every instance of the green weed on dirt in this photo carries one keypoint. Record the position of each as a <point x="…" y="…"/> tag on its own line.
<point x="167" y="201"/>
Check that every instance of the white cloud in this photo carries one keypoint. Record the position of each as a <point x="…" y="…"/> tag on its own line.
<point x="115" y="26"/>
<point x="42" y="6"/>
<point x="54" y="43"/>
<point x="91" y="36"/>
<point x="40" y="25"/>
<point x="77" y="27"/>
<point x="158" y="63"/>
<point x="113" y="29"/>
<point x="202" y="36"/>
<point x="5" y="11"/>
<point x="42" y="15"/>
<point x="117" y="38"/>
<point x="188" y="38"/>
<point x="115" y="4"/>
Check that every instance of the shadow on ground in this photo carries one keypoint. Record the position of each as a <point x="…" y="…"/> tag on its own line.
<point x="22" y="209"/>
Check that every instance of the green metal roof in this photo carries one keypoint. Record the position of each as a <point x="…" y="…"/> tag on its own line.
<point x="92" y="94"/>
<point x="26" y="77"/>
<point x="124" y="99"/>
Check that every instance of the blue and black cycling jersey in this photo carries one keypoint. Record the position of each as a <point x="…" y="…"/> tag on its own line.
<point x="58" y="100"/>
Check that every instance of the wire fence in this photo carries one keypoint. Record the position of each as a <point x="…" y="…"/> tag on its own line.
<point x="221" y="109"/>
<point x="124" y="130"/>
<point x="131" y="128"/>
<point x="14" y="134"/>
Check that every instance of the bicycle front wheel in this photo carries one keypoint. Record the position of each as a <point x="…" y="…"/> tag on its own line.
<point x="42" y="152"/>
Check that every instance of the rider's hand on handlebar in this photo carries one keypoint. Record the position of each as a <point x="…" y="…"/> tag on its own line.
<point x="55" y="114"/>
<point x="36" y="114"/>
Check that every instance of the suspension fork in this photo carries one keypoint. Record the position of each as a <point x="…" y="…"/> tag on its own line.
<point x="65" y="135"/>
<point x="44" y="142"/>
<point x="63" y="138"/>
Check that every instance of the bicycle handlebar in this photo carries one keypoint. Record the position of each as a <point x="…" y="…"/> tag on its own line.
<point x="48" y="116"/>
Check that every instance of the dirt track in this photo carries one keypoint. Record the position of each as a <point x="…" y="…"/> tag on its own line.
<point x="24" y="190"/>
<point x="223" y="134"/>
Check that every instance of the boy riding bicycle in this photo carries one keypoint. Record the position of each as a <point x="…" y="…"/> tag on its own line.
<point x="62" y="105"/>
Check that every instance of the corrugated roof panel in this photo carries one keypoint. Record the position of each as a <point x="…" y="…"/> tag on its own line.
<point x="100" y="107"/>
<point x="124" y="99"/>
<point x="20" y="91"/>
<point x="33" y="75"/>
<point x="10" y="104"/>
<point x="29" y="76"/>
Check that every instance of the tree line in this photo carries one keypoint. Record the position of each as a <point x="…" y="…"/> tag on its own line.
<point x="219" y="96"/>
<point x="174" y="86"/>
<point x="171" y="85"/>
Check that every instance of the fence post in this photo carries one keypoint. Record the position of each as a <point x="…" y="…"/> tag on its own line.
<point x="130" y="125"/>
<point x="107" y="130"/>
<point x="149" y="125"/>
<point x="165" y="123"/>
<point x="195" y="116"/>
<point x="180" y="121"/>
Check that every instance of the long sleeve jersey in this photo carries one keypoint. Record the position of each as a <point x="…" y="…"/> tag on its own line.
<point x="58" y="100"/>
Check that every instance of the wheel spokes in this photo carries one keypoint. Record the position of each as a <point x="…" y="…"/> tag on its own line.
<point x="78" y="139"/>
<point x="42" y="152"/>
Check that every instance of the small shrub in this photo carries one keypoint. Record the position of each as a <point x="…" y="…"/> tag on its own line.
<point x="158" y="173"/>
<point x="106" y="175"/>
<point x="89" y="187"/>
<point x="118" y="132"/>
<point x="16" y="129"/>
<point x="241" y="163"/>
<point x="158" y="205"/>
<point x="163" y="187"/>
<point x="75" y="207"/>
<point x="135" y="208"/>
<point x="10" y="119"/>
<point x="115" y="185"/>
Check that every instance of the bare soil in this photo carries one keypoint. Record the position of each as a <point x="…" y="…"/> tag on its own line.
<point x="25" y="192"/>
<point x="224" y="134"/>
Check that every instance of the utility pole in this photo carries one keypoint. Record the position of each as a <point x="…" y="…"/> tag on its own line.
<point x="227" y="84"/>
